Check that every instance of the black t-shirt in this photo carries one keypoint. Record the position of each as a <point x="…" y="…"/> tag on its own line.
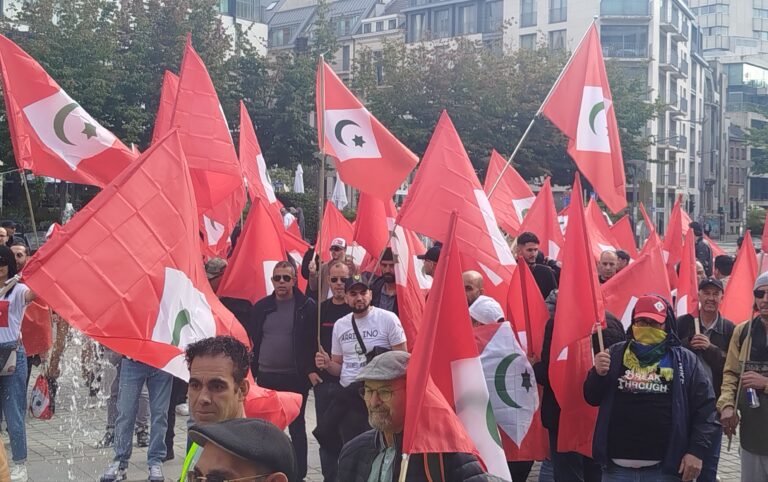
<point x="329" y="313"/>
<point x="641" y="419"/>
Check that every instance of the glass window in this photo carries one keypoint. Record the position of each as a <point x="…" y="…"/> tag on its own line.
<point x="442" y="23"/>
<point x="494" y="16"/>
<point x="527" y="13"/>
<point x="280" y="36"/>
<point x="247" y="10"/>
<point x="624" y="41"/>
<point x="379" y="26"/>
<point x="557" y="40"/>
<point x="392" y="24"/>
<point x="528" y="41"/>
<point x="416" y="27"/>
<point x="558" y="11"/>
<point x="224" y="7"/>
<point x="366" y="28"/>
<point x="467" y="21"/>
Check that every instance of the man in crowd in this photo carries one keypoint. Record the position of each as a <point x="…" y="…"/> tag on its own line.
<point x="338" y="248"/>
<point x="723" y="268"/>
<point x="485" y="310"/>
<point x="326" y="386"/>
<point x="607" y="266"/>
<point x="657" y="408"/>
<point x="746" y="368"/>
<point x="383" y="288"/>
<point x="218" y="367"/>
<point x="701" y="275"/>
<point x="281" y="329"/>
<point x="528" y="248"/>
<point x="375" y="455"/>
<point x="244" y="449"/>
<point x="710" y="343"/>
<point x="473" y="285"/>
<point x="623" y="260"/>
<point x="3" y="236"/>
<point x="703" y="249"/>
<point x="430" y="258"/>
<point x="214" y="270"/>
<point x="13" y="238"/>
<point x="364" y="330"/>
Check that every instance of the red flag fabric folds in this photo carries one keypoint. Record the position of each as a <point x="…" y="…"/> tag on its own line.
<point x="168" y="93"/>
<point x="688" y="285"/>
<point x="623" y="235"/>
<point x="542" y="220"/>
<point x="526" y="310"/>
<point x="253" y="164"/>
<point x="738" y="299"/>
<point x="512" y="197"/>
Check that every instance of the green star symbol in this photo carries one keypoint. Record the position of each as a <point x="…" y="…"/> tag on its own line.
<point x="359" y="141"/>
<point x="89" y="130"/>
<point x="526" y="381"/>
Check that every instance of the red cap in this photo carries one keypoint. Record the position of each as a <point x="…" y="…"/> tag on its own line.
<point x="651" y="307"/>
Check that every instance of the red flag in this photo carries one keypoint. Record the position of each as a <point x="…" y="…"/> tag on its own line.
<point x="335" y="225"/>
<point x="764" y="239"/>
<point x="738" y="299"/>
<point x="295" y="246"/>
<point x="527" y="310"/>
<point x="279" y="408"/>
<point x="639" y="278"/>
<point x="253" y="164"/>
<point x="579" y="309"/>
<point x="204" y="134"/>
<point x="219" y="222"/>
<point x="51" y="134"/>
<point x="36" y="328"/>
<point x="136" y="240"/>
<point x="648" y="223"/>
<point x="581" y="106"/>
<point x="652" y="242"/>
<point x="371" y="228"/>
<point x="673" y="239"/>
<point x="716" y="250"/>
<point x="622" y="233"/>
<point x="447" y="352"/>
<point x="368" y="157"/>
<point x="688" y="284"/>
<point x="249" y="272"/>
<point x="542" y="220"/>
<point x="446" y="182"/>
<point x="512" y="197"/>
<point x="168" y="93"/>
<point x="599" y="230"/>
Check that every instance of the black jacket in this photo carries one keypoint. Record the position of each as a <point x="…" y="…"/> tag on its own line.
<point x="704" y="254"/>
<point x="376" y="287"/>
<point x="714" y="356"/>
<point x="304" y="331"/>
<point x="545" y="278"/>
<point x="357" y="456"/>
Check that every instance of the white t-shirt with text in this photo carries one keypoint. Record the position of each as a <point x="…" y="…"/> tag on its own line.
<point x="378" y="328"/>
<point x="10" y="323"/>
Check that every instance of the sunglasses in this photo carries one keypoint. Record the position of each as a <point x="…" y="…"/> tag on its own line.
<point x="282" y="277"/>
<point x="338" y="279"/>
<point x="760" y="294"/>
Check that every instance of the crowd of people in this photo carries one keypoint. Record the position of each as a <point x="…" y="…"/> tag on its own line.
<point x="667" y="389"/>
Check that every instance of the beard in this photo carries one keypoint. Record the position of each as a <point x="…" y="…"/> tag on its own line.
<point x="380" y="420"/>
<point x="388" y="277"/>
<point x="357" y="309"/>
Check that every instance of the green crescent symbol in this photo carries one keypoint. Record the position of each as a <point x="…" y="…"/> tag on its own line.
<point x="500" y="380"/>
<point x="182" y="320"/>
<point x="593" y="113"/>
<point x="490" y="422"/>
<point x="340" y="126"/>
<point x="58" y="121"/>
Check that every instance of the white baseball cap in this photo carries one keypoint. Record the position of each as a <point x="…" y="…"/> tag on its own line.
<point x="486" y="310"/>
<point x="339" y="243"/>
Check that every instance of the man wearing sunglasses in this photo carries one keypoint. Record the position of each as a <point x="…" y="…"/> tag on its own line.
<point x="282" y="329"/>
<point x="337" y="249"/>
<point x="746" y="368"/>
<point x="242" y="450"/>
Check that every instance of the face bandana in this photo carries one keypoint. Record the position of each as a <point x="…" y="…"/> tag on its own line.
<point x="648" y="335"/>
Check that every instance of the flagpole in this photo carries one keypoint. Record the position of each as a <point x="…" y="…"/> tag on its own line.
<point x="591" y="265"/>
<point x="538" y="112"/>
<point x="320" y="195"/>
<point x="521" y="264"/>
<point x="403" y="467"/>
<point x="29" y="204"/>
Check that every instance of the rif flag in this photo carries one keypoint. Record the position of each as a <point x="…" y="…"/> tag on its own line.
<point x="52" y="134"/>
<point x="253" y="164"/>
<point x="512" y="197"/>
<point x="543" y="221"/>
<point x="368" y="157"/>
<point x="581" y="106"/>
<point x="127" y="271"/>
<point x="168" y="93"/>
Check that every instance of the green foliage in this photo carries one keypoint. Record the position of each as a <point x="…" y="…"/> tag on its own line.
<point x="757" y="139"/>
<point x="308" y="203"/>
<point x="755" y="219"/>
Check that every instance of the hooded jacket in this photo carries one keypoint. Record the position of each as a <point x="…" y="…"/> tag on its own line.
<point x="693" y="403"/>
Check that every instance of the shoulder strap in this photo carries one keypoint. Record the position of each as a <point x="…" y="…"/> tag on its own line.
<point x="433" y="467"/>
<point x="357" y="334"/>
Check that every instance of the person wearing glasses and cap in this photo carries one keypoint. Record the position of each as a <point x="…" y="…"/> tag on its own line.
<point x="281" y="329"/>
<point x="313" y="273"/>
<point x="746" y="370"/>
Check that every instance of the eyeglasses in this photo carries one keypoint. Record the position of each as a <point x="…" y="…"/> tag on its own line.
<point x="192" y="477"/>
<point x="338" y="279"/>
<point x="760" y="294"/>
<point x="384" y="394"/>
<point x="282" y="277"/>
<point x="337" y="248"/>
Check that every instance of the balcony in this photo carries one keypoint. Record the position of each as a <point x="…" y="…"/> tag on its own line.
<point x="682" y="32"/>
<point x="669" y="62"/>
<point x="625" y="9"/>
<point x="682" y="71"/>
<point x="684" y="105"/>
<point x="670" y="22"/>
<point x="620" y="49"/>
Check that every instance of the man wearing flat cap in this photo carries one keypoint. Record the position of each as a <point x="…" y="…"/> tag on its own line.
<point x="375" y="456"/>
<point x="243" y="449"/>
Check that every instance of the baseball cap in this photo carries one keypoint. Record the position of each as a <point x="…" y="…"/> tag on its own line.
<point x="390" y="365"/>
<point x="650" y="307"/>
<point x="215" y="267"/>
<point x="621" y="254"/>
<point x="339" y="243"/>
<point x="353" y="281"/>
<point x="711" y="282"/>
<point x="761" y="280"/>
<point x="251" y="439"/>
<point x="486" y="310"/>
<point x="432" y="254"/>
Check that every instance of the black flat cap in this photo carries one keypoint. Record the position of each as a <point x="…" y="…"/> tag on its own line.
<point x="252" y="439"/>
<point x="711" y="282"/>
<point x="432" y="254"/>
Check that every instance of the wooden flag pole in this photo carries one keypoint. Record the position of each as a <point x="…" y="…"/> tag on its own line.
<point x="591" y="265"/>
<point x="538" y="113"/>
<point x="29" y="205"/>
<point x="403" y="468"/>
<point x="320" y="194"/>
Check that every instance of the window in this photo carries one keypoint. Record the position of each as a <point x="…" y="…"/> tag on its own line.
<point x="624" y="41"/>
<point x="392" y="24"/>
<point x="527" y="13"/>
<point x="558" y="11"/>
<point x="344" y="25"/>
<point x="247" y="10"/>
<point x="557" y="40"/>
<point x="345" y="58"/>
<point x="379" y="67"/>
<point x="442" y="25"/>
<point x="416" y="24"/>
<point x="379" y="26"/>
<point x="467" y="21"/>
<point x="366" y="28"/>
<point x="280" y="36"/>
<point x="224" y="7"/>
<point x="528" y="41"/>
<point x="494" y="16"/>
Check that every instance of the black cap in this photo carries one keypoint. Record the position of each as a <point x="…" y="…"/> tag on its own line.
<point x="7" y="224"/>
<point x="432" y="254"/>
<point x="251" y="439"/>
<point x="621" y="254"/>
<point x="353" y="281"/>
<point x="711" y="282"/>
<point x="695" y="226"/>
